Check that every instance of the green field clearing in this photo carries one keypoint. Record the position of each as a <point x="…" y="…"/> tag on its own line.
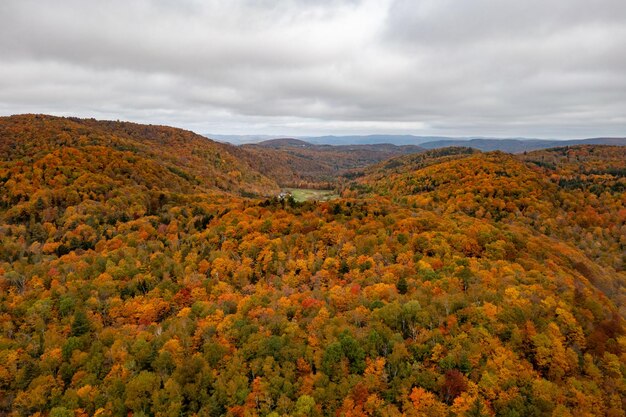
<point x="306" y="194"/>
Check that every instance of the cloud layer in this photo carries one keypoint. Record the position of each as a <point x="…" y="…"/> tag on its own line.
<point x="477" y="67"/>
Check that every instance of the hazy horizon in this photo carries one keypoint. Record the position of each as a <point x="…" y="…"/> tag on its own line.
<point x="363" y="135"/>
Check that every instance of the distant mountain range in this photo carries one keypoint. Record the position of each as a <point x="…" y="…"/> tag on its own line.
<point x="292" y="143"/>
<point x="520" y="145"/>
<point x="331" y="139"/>
<point x="240" y="139"/>
<point x="373" y="139"/>
<point x="511" y="145"/>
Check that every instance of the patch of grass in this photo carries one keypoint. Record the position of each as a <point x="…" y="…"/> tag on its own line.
<point x="306" y="194"/>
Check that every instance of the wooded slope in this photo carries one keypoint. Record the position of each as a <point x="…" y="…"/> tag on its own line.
<point x="452" y="283"/>
<point x="295" y="163"/>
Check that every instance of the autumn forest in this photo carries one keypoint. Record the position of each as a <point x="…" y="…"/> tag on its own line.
<point x="149" y="271"/>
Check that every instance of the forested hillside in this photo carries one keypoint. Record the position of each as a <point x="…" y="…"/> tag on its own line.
<point x="50" y="142"/>
<point x="296" y="163"/>
<point x="142" y="274"/>
<point x="573" y="194"/>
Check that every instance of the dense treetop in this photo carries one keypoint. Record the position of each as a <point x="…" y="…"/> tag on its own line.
<point x="139" y="275"/>
<point x="29" y="139"/>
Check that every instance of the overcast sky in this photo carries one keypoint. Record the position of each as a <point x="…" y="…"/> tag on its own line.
<point x="539" y="68"/>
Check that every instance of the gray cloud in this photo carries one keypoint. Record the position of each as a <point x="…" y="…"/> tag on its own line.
<point x="477" y="67"/>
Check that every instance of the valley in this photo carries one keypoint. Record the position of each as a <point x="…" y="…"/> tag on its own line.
<point x="298" y="164"/>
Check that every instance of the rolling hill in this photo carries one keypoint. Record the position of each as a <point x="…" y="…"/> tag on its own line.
<point x="140" y="275"/>
<point x="566" y="193"/>
<point x="296" y="163"/>
<point x="170" y="152"/>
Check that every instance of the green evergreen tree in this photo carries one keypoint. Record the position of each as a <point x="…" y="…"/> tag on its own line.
<point x="402" y="286"/>
<point x="80" y="324"/>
